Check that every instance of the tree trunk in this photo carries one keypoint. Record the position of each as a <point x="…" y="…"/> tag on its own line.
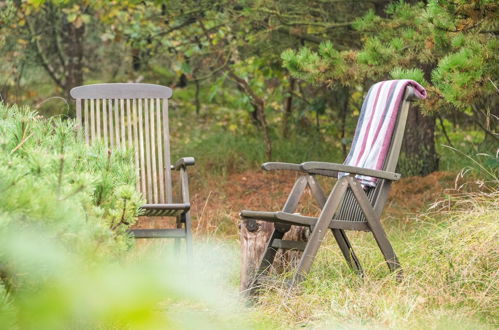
<point x="259" y="105"/>
<point x="74" y="50"/>
<point x="345" y="97"/>
<point x="419" y="156"/>
<point x="288" y="107"/>
<point x="254" y="236"/>
<point x="197" y="100"/>
<point x="266" y="132"/>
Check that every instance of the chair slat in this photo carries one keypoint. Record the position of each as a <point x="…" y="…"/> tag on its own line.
<point x="129" y="124"/>
<point x="166" y="139"/>
<point x="117" y="124"/>
<point x="79" y="118"/>
<point x="111" y="123"/>
<point x="135" y="141"/>
<point x="104" y="123"/>
<point x="87" y="127"/>
<point x="122" y="123"/>
<point x="161" y="168"/>
<point x="148" y="151"/>
<point x="97" y="118"/>
<point x="142" y="150"/>
<point x="92" y="121"/>
<point x="152" y="133"/>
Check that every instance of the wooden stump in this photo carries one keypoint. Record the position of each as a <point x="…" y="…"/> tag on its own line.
<point x="254" y="236"/>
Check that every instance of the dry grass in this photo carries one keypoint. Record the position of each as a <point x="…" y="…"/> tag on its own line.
<point x="446" y="241"/>
<point x="217" y="201"/>
<point x="451" y="265"/>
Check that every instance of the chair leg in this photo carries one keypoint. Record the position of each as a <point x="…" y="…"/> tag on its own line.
<point x="319" y="232"/>
<point x="177" y="239"/>
<point x="347" y="250"/>
<point x="270" y="253"/>
<point x="385" y="247"/>
<point x="280" y="230"/>
<point x="266" y="261"/>
<point x="267" y="258"/>
<point x="188" y="233"/>
<point x="375" y="225"/>
<point x="339" y="234"/>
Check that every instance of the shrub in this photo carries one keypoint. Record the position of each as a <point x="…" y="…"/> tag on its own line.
<point x="65" y="261"/>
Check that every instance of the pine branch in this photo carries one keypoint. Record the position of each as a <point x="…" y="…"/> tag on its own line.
<point x="304" y="36"/>
<point x="23" y="141"/>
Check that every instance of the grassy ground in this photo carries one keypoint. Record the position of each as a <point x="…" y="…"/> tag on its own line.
<point x="443" y="227"/>
<point x="446" y="241"/>
<point x="451" y="266"/>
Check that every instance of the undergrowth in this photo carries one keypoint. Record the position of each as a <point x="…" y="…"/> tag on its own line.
<point x="65" y="256"/>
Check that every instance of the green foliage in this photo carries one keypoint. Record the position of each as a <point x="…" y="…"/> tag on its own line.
<point x="413" y="74"/>
<point x="224" y="152"/>
<point x="45" y="158"/>
<point x="459" y="75"/>
<point x="78" y="199"/>
<point x="65" y="256"/>
<point x="443" y="44"/>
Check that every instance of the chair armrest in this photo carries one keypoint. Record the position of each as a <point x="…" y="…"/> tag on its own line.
<point x="184" y="162"/>
<point x="333" y="169"/>
<point x="272" y="166"/>
<point x="181" y="166"/>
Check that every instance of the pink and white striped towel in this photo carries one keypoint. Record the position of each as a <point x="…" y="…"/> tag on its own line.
<point x="376" y="124"/>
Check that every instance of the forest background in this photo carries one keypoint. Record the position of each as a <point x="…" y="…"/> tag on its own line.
<point x="267" y="80"/>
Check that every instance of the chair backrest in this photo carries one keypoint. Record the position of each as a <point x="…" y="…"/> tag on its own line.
<point x="350" y="209"/>
<point x="134" y="116"/>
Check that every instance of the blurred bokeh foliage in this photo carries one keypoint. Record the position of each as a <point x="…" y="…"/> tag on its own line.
<point x="65" y="258"/>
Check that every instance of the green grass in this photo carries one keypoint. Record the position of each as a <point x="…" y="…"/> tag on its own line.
<point x="466" y="142"/>
<point x="223" y="152"/>
<point x="450" y="259"/>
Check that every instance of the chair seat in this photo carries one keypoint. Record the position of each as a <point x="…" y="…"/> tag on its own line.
<point x="302" y="220"/>
<point x="161" y="210"/>
<point x="158" y="233"/>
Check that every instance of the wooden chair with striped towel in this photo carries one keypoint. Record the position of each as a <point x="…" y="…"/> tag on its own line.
<point x="136" y="116"/>
<point x="358" y="197"/>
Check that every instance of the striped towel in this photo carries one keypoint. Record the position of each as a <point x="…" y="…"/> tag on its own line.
<point x="375" y="127"/>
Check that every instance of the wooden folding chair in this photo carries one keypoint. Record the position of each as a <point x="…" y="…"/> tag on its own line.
<point x="136" y="116"/>
<point x="349" y="206"/>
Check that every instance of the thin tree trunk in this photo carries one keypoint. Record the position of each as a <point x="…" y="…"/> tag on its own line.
<point x="196" y="96"/>
<point x="419" y="155"/>
<point x="266" y="132"/>
<point x="288" y="108"/>
<point x="74" y="51"/>
<point x="345" y="96"/>
<point x="444" y="131"/>
<point x="259" y="106"/>
<point x="136" y="59"/>
<point x="317" y="122"/>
